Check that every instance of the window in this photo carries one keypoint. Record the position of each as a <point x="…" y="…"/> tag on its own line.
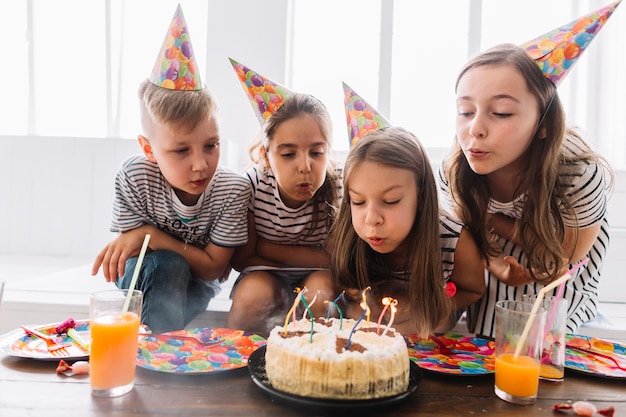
<point x="430" y="41"/>
<point x="76" y="73"/>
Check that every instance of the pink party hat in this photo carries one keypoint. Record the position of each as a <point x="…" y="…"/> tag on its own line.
<point x="266" y="96"/>
<point x="557" y="51"/>
<point x="361" y="117"/>
<point x="176" y="67"/>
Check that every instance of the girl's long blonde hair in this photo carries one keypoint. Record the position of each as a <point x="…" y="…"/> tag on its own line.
<point x="352" y="259"/>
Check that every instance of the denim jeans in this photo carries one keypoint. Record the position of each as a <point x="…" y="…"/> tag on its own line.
<point x="172" y="297"/>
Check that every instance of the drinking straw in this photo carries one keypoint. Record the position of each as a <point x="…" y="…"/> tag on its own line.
<point x="133" y="281"/>
<point x="534" y="310"/>
<point x="558" y="296"/>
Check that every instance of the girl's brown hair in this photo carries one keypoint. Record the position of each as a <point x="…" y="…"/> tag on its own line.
<point x="540" y="229"/>
<point x="326" y="198"/>
<point x="352" y="259"/>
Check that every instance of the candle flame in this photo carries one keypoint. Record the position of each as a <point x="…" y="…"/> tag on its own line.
<point x="392" y="306"/>
<point x="363" y="304"/>
<point x="386" y="301"/>
<point x="292" y="310"/>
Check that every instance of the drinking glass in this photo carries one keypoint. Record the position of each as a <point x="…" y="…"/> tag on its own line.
<point x="114" y="341"/>
<point x="553" y="353"/>
<point x="517" y="357"/>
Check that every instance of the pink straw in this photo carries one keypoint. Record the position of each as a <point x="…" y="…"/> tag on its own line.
<point x="559" y="294"/>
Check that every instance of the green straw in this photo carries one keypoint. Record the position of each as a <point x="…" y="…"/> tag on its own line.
<point x="133" y="281"/>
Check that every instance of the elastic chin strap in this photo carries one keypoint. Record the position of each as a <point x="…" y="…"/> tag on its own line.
<point x="544" y="115"/>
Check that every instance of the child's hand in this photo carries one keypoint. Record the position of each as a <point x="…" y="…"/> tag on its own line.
<point x="115" y="254"/>
<point x="509" y="271"/>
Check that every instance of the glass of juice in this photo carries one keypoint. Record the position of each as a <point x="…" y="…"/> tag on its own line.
<point x="114" y="324"/>
<point x="553" y="354"/>
<point x="518" y="353"/>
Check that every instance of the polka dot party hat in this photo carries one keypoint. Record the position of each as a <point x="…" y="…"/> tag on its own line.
<point x="176" y="67"/>
<point x="557" y="51"/>
<point x="265" y="95"/>
<point x="361" y="117"/>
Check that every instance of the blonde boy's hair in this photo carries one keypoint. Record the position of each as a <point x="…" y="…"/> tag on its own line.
<point x="174" y="109"/>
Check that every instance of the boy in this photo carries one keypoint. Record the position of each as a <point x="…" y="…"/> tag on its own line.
<point x="194" y="210"/>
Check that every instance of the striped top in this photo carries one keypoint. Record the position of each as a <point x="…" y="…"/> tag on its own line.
<point x="143" y="196"/>
<point x="586" y="187"/>
<point x="449" y="233"/>
<point x="276" y="222"/>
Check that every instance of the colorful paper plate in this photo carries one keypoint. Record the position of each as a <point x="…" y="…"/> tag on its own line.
<point x="17" y="343"/>
<point x="183" y="356"/>
<point x="596" y="360"/>
<point x="256" y="366"/>
<point x="470" y="355"/>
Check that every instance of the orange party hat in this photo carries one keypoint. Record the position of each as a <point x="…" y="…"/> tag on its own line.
<point x="176" y="67"/>
<point x="557" y="51"/>
<point x="266" y="96"/>
<point x="361" y="117"/>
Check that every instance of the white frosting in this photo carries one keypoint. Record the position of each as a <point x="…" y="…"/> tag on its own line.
<point x="323" y="343"/>
<point x="306" y="364"/>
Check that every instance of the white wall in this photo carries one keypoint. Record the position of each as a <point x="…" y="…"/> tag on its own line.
<point x="56" y="193"/>
<point x="57" y="196"/>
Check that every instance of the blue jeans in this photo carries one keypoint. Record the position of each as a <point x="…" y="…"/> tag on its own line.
<point x="172" y="297"/>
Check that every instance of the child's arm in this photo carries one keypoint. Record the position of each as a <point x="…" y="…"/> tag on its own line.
<point x="509" y="271"/>
<point x="505" y="226"/>
<point x="114" y="255"/>
<point x="469" y="272"/>
<point x="206" y="263"/>
<point x="245" y="256"/>
<point x="586" y="239"/>
<point x="293" y="255"/>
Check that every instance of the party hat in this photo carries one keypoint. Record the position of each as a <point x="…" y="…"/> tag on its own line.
<point x="557" y="51"/>
<point x="176" y="67"/>
<point x="266" y="96"/>
<point x="361" y="117"/>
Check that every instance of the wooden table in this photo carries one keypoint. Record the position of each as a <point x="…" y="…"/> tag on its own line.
<point x="32" y="388"/>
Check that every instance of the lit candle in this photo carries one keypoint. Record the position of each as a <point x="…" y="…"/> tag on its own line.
<point x="354" y="328"/>
<point x="292" y="311"/>
<point x="334" y="303"/>
<point x="386" y="301"/>
<point x="307" y="307"/>
<point x="364" y="305"/>
<point x="392" y="305"/>
<point x="310" y="304"/>
<point x="366" y="313"/>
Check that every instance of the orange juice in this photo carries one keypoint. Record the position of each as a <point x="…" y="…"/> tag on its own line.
<point x="551" y="372"/>
<point x="519" y="377"/>
<point x="113" y="350"/>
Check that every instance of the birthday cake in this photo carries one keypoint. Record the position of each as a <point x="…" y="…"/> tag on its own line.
<point x="338" y="359"/>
